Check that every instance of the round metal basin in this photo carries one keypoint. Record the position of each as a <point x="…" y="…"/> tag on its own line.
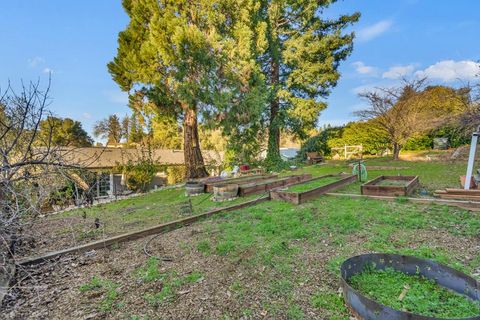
<point x="366" y="308"/>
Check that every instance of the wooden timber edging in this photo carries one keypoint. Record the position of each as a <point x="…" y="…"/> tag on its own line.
<point x="372" y="189"/>
<point x="458" y="194"/>
<point x="165" y="227"/>
<point x="301" y="197"/>
<point x="470" y="205"/>
<point x="245" y="179"/>
<point x="253" y="188"/>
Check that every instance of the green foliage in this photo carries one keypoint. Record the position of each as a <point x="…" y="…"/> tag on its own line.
<point x="453" y="131"/>
<point x="421" y="296"/>
<point x="320" y="142"/>
<point x="367" y="133"/>
<point x="138" y="174"/>
<point x="302" y="57"/>
<point x="64" y="195"/>
<point x="175" y="174"/>
<point x="63" y="132"/>
<point x="419" y="142"/>
<point x="170" y="281"/>
<point x="331" y="303"/>
<point x="109" y="289"/>
<point x="275" y="164"/>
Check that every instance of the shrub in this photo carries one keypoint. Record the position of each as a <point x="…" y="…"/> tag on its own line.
<point x="175" y="174"/>
<point x="138" y="175"/>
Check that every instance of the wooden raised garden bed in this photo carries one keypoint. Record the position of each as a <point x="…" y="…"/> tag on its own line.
<point x="246" y="179"/>
<point x="391" y="186"/>
<point x="332" y="182"/>
<point x="263" y="186"/>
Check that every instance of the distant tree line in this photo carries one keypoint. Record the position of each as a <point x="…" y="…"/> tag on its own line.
<point x="406" y="117"/>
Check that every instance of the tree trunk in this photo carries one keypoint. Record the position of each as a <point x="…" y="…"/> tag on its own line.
<point x="396" y="151"/>
<point x="273" y="151"/>
<point x="195" y="167"/>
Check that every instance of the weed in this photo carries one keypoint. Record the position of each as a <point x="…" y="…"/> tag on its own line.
<point x="204" y="247"/>
<point x="332" y="303"/>
<point x="294" y="312"/>
<point x="109" y="288"/>
<point x="171" y="282"/>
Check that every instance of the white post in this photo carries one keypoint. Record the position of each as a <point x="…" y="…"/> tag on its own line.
<point x="345" y="152"/>
<point x="111" y="192"/>
<point x="471" y="159"/>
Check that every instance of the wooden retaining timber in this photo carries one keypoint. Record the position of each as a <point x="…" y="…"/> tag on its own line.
<point x="246" y="179"/>
<point x="372" y="188"/>
<point x="165" y="227"/>
<point x="458" y="194"/>
<point x="253" y="188"/>
<point x="301" y="197"/>
<point x="469" y="205"/>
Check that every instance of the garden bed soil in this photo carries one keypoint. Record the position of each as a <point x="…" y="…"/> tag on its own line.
<point x="390" y="186"/>
<point x="306" y="190"/>
<point x="264" y="186"/>
<point x="244" y="179"/>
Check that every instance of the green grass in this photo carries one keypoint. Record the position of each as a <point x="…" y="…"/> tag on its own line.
<point x="135" y="213"/>
<point x="433" y="175"/>
<point x="414" y="294"/>
<point x="171" y="282"/>
<point x="312" y="184"/>
<point x="331" y="303"/>
<point x="272" y="235"/>
<point x="108" y="289"/>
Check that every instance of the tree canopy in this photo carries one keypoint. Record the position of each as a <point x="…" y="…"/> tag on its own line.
<point x="64" y="132"/>
<point x="303" y="51"/>
<point x="109" y="128"/>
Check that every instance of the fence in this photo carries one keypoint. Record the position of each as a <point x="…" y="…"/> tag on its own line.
<point x="347" y="151"/>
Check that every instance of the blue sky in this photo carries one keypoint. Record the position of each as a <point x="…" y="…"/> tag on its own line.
<point x="76" y="39"/>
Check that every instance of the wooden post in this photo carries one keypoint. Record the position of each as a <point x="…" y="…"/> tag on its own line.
<point x="345" y="152"/>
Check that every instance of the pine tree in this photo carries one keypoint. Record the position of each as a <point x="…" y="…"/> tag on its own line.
<point x="110" y="129"/>
<point x="170" y="49"/>
<point x="301" y="62"/>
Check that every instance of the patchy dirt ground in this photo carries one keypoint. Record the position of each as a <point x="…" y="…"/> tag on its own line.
<point x="203" y="282"/>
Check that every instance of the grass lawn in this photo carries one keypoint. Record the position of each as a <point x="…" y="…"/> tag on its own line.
<point x="75" y="227"/>
<point x="78" y="226"/>
<point x="433" y="175"/>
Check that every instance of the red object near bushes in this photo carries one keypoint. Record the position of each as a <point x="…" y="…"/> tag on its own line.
<point x="244" y="167"/>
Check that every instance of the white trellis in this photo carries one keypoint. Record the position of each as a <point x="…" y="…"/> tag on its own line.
<point x="349" y="151"/>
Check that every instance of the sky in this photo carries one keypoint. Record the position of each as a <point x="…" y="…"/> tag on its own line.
<point x="74" y="40"/>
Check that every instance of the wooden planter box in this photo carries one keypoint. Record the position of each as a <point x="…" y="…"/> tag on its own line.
<point x="246" y="179"/>
<point x="301" y="197"/>
<point x="372" y="187"/>
<point x="259" y="187"/>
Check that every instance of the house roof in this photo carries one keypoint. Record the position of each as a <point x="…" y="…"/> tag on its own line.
<point x="104" y="157"/>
